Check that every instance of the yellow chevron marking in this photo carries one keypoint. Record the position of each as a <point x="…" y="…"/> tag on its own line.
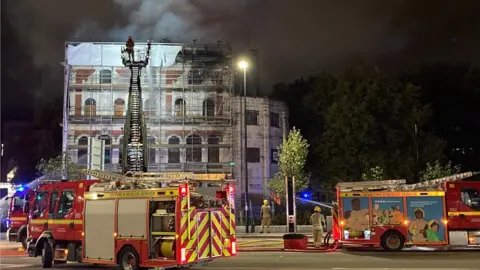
<point x="226" y="253"/>
<point x="216" y="238"/>
<point x="205" y="252"/>
<point x="183" y="204"/>
<point x="203" y="237"/>
<point x="193" y="256"/>
<point x="183" y="222"/>
<point x="193" y="239"/>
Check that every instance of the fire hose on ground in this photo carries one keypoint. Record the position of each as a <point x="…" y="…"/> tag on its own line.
<point x="326" y="242"/>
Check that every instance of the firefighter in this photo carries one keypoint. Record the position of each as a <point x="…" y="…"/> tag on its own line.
<point x="317" y="220"/>
<point x="266" y="216"/>
<point x="129" y="46"/>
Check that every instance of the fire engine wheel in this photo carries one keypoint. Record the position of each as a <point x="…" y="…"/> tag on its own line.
<point x="23" y="240"/>
<point x="129" y="259"/>
<point x="392" y="241"/>
<point x="47" y="253"/>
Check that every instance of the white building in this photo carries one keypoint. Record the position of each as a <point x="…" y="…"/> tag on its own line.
<point x="191" y="114"/>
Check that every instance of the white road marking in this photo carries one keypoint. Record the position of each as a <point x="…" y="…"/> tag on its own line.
<point x="15" y="265"/>
<point x="370" y="268"/>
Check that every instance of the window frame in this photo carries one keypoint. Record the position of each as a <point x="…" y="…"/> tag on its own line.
<point x="52" y="207"/>
<point x="36" y="202"/>
<point x="249" y="155"/>
<point x="252" y="118"/>
<point x="62" y="215"/>
<point x="469" y="191"/>
<point x="275" y="116"/>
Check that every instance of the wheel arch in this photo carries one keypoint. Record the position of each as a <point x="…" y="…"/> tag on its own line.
<point x="41" y="239"/>
<point x="122" y="249"/>
<point x="393" y="231"/>
<point x="21" y="231"/>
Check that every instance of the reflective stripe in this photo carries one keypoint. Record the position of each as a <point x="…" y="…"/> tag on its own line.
<point x="56" y="221"/>
<point x="18" y="218"/>
<point x="469" y="213"/>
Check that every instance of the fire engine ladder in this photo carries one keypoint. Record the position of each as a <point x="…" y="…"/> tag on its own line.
<point x="149" y="179"/>
<point x="134" y="147"/>
<point x="400" y="185"/>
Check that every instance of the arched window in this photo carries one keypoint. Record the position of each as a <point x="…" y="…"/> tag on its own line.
<point x="149" y="107"/>
<point x="174" y="152"/>
<point x="180" y="107"/>
<point x="213" y="151"/>
<point x="208" y="108"/>
<point x="108" y="148"/>
<point x="151" y="150"/>
<point x="194" y="150"/>
<point x="90" y="107"/>
<point x="105" y="76"/>
<point x="119" y="107"/>
<point x="82" y="150"/>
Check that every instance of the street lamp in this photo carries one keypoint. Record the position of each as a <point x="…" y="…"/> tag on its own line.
<point x="244" y="65"/>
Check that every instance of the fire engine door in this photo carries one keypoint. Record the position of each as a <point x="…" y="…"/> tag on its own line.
<point x="216" y="236"/>
<point x="203" y="234"/>
<point x="64" y="215"/>
<point x="39" y="216"/>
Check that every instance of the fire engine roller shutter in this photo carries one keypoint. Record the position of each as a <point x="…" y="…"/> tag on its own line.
<point x="132" y="218"/>
<point x="217" y="239"/>
<point x="99" y="227"/>
<point x="203" y="221"/>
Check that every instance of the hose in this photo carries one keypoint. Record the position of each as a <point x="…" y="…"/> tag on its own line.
<point x="326" y="242"/>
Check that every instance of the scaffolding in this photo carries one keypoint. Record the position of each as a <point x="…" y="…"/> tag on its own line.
<point x="187" y="91"/>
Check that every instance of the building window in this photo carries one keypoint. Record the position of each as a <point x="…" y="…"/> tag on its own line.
<point x="274" y="156"/>
<point x="174" y="152"/>
<point x="119" y="107"/>
<point x="151" y="150"/>
<point x="180" y="107"/>
<point x="252" y="117"/>
<point x="208" y="108"/>
<point x="82" y="150"/>
<point x="120" y="151"/>
<point x="105" y="76"/>
<point x="253" y="155"/>
<point x="90" y="108"/>
<point x="213" y="151"/>
<point x="108" y="148"/>
<point x="274" y="120"/>
<point x="194" y="150"/>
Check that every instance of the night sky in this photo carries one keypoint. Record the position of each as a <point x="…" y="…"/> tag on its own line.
<point x="294" y="38"/>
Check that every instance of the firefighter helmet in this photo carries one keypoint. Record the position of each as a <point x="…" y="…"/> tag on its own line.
<point x="265" y="202"/>
<point x="317" y="209"/>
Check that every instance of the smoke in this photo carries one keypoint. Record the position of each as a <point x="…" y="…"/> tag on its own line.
<point x="293" y="38"/>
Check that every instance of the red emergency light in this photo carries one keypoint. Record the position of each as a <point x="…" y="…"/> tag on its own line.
<point x="183" y="190"/>
<point x="230" y="188"/>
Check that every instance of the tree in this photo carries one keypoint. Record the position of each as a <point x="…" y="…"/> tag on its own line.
<point x="438" y="170"/>
<point x="373" y="174"/>
<point x="371" y="122"/>
<point x="292" y="155"/>
<point x="53" y="169"/>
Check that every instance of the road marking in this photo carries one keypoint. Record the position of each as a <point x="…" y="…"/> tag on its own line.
<point x="370" y="268"/>
<point x="15" y="265"/>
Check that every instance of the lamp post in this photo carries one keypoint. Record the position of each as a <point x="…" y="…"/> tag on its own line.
<point x="244" y="65"/>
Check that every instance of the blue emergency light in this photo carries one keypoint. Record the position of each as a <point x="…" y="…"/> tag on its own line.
<point x="306" y="195"/>
<point x="20" y="189"/>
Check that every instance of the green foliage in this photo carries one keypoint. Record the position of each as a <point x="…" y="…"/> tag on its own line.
<point x="373" y="174"/>
<point x="438" y="170"/>
<point x="53" y="169"/>
<point x="292" y="154"/>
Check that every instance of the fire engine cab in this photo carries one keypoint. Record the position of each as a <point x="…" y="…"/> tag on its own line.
<point x="17" y="217"/>
<point x="392" y="214"/>
<point x="136" y="221"/>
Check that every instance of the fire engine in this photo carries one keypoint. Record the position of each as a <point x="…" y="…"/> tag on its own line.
<point x="17" y="217"/>
<point x="392" y="214"/>
<point x="138" y="221"/>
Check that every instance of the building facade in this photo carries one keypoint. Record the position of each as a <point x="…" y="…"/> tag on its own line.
<point x="192" y="117"/>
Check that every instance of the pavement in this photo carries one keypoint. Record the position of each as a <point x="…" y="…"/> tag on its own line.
<point x="304" y="261"/>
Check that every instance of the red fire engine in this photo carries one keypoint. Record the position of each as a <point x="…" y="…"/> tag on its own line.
<point x="17" y="218"/>
<point x="439" y="212"/>
<point x="131" y="221"/>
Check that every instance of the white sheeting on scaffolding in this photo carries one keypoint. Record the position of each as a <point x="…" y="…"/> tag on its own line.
<point x="91" y="54"/>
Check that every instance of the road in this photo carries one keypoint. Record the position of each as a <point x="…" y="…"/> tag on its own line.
<point x="308" y="261"/>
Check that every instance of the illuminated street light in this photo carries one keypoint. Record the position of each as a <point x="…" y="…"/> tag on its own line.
<point x="244" y="65"/>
